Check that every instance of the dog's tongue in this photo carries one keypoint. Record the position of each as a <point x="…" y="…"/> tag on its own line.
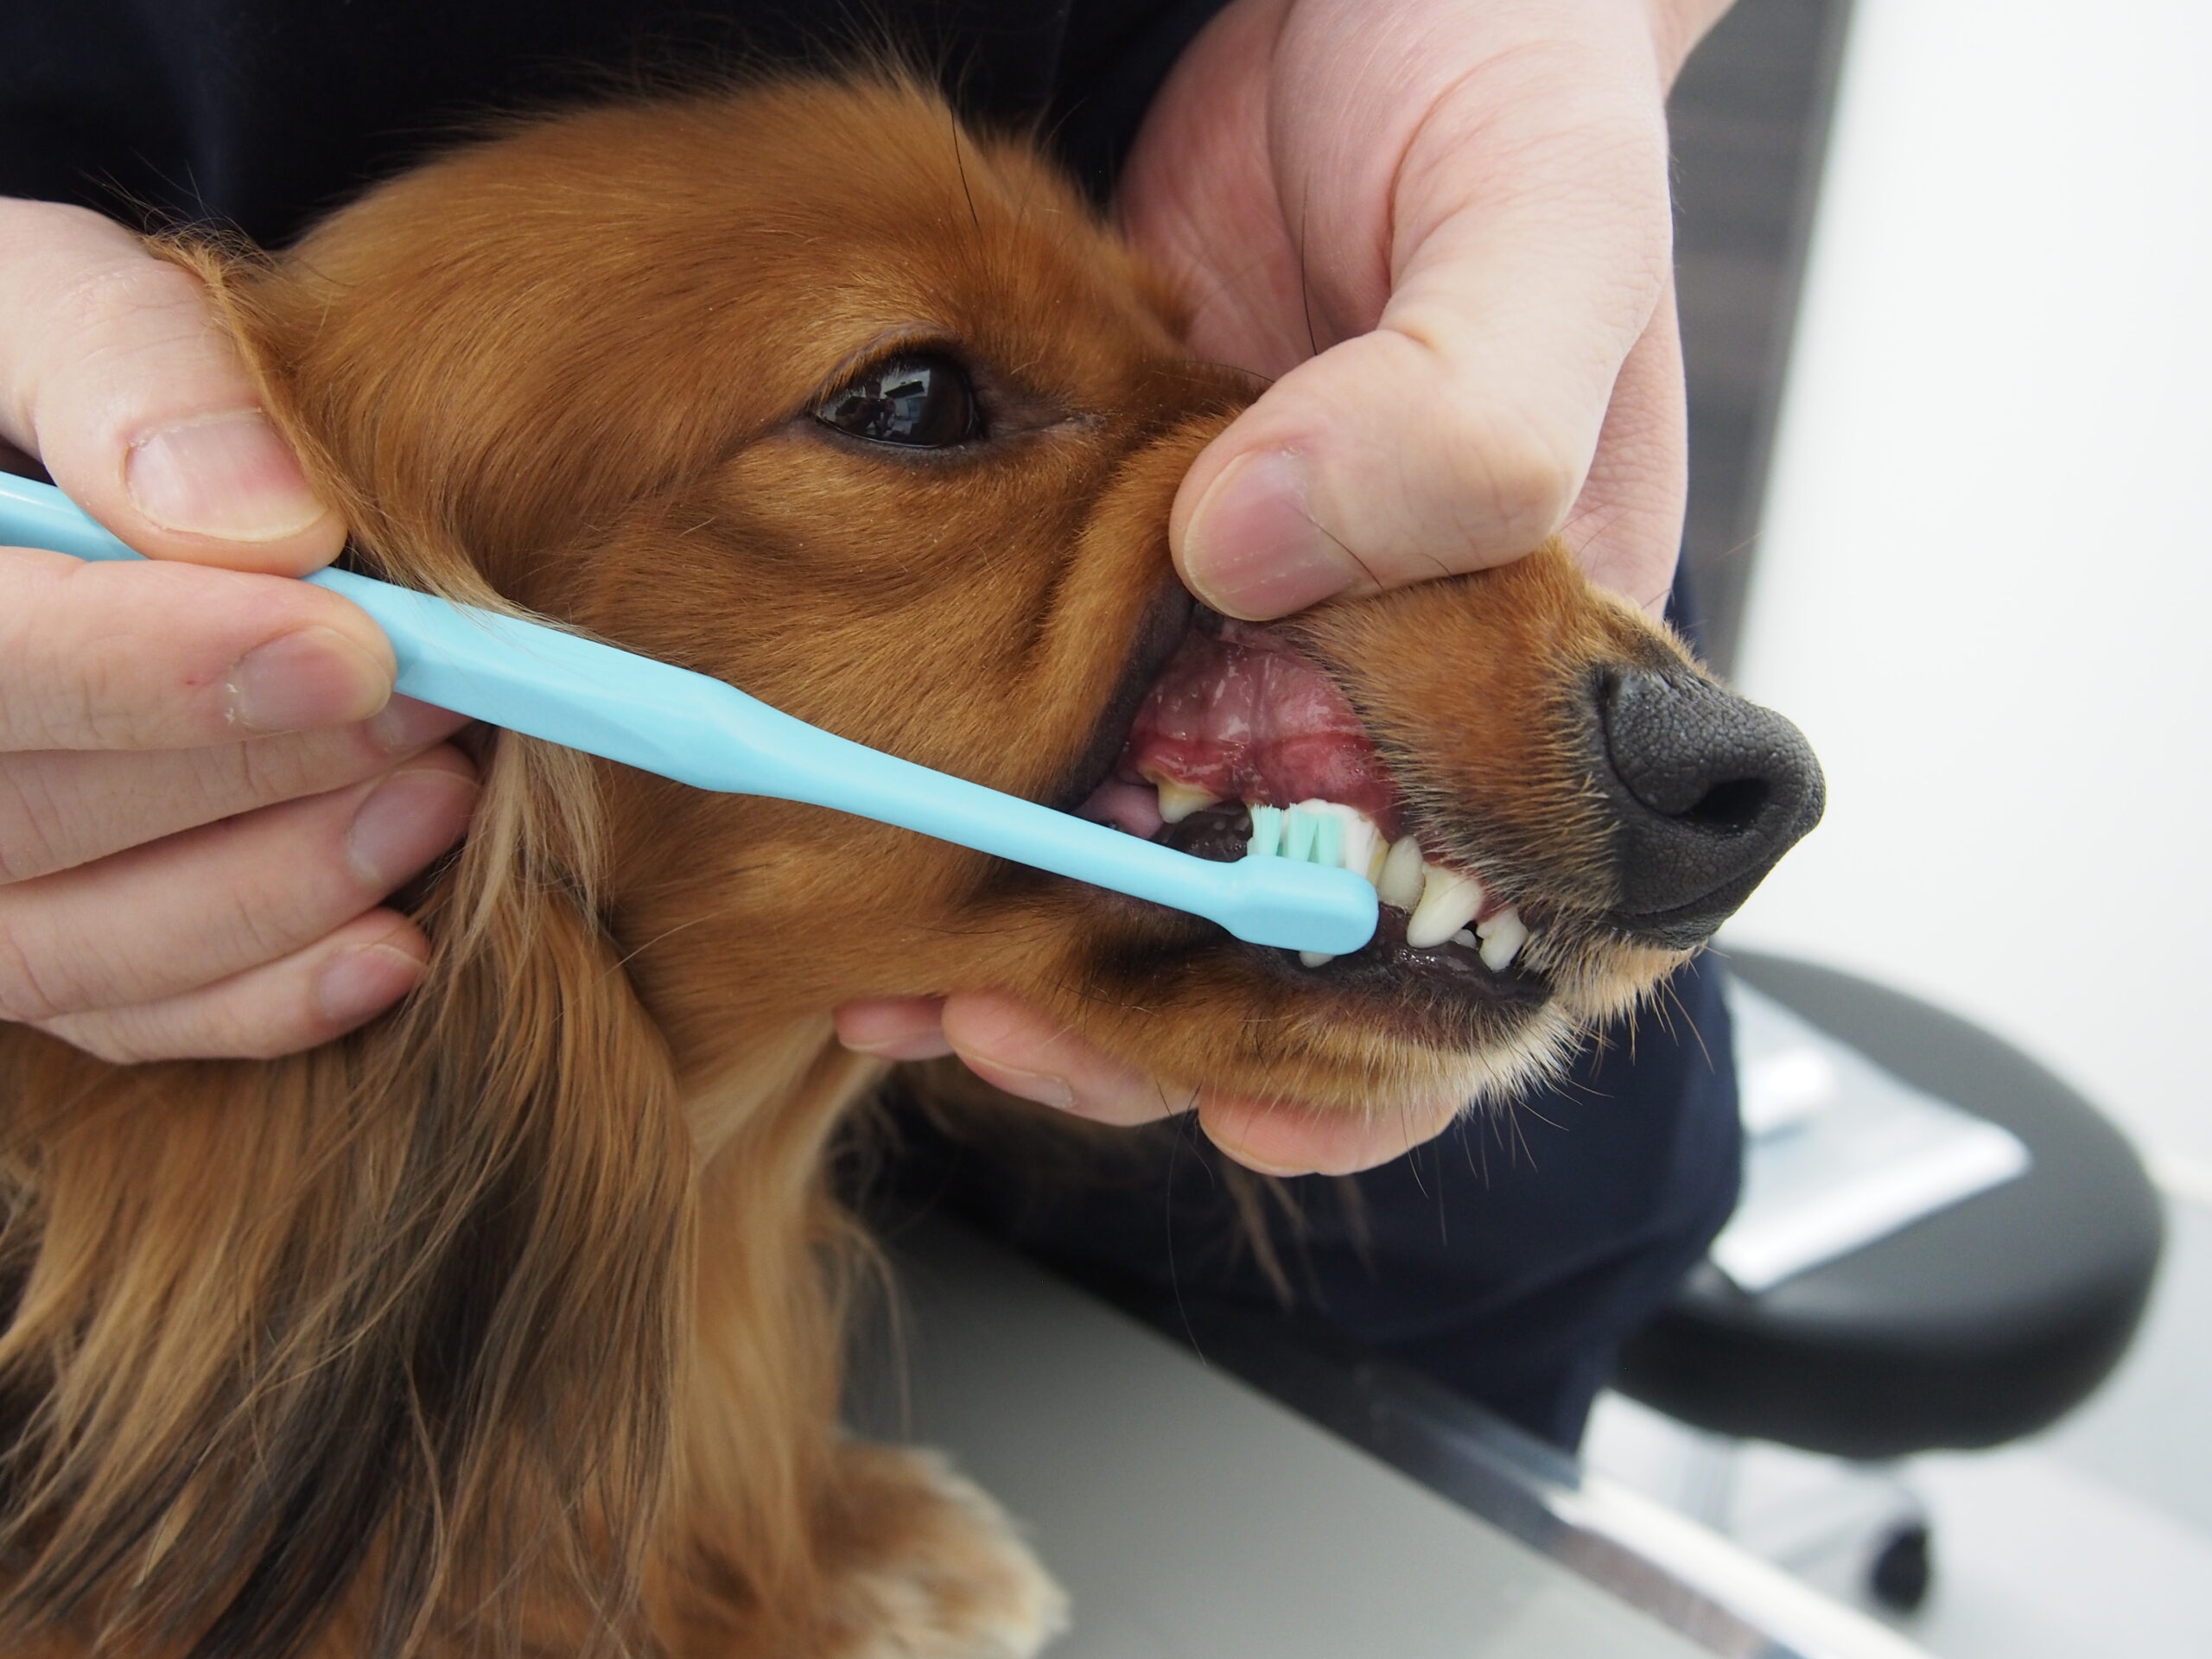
<point x="1242" y="716"/>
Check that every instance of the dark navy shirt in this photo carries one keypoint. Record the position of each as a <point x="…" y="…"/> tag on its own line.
<point x="261" y="114"/>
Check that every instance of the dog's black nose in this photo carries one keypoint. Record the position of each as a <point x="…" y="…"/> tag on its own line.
<point x="1707" y="792"/>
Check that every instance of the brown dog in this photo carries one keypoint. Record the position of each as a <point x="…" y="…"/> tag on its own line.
<point x="514" y="1318"/>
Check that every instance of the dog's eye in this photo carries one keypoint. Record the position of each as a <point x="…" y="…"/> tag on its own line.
<point x="923" y="401"/>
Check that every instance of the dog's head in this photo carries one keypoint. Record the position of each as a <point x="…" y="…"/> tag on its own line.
<point x="813" y="392"/>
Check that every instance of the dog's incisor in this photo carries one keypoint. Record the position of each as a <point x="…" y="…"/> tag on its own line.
<point x="514" y="1318"/>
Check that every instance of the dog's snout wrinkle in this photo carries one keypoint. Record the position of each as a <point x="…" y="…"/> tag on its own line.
<point x="1707" y="791"/>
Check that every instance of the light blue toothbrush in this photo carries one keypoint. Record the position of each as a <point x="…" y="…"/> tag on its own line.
<point x="667" y="720"/>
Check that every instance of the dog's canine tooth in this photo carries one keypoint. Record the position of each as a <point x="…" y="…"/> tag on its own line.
<point x="1502" y="935"/>
<point x="1266" y="830"/>
<point x="1315" y="958"/>
<point x="1178" y="799"/>
<point x="1400" y="883"/>
<point x="1449" y="900"/>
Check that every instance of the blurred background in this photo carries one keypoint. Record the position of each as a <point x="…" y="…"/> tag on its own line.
<point x="1946" y="271"/>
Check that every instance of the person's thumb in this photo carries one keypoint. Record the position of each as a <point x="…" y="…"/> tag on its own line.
<point x="117" y="376"/>
<point x="1528" y="251"/>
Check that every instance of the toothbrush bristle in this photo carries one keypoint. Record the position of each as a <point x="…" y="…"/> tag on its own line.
<point x="1266" y="832"/>
<point x="1299" y="833"/>
<point x="1329" y="840"/>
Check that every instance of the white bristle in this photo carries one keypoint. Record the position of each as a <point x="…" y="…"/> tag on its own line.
<point x="1362" y="842"/>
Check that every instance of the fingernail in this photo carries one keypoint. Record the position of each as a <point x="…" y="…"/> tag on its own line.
<point x="407" y="725"/>
<point x="1039" y="1086"/>
<point x="227" y="475"/>
<point x="408" y="820"/>
<point x="1252" y="549"/>
<point x="309" y="678"/>
<point x="357" y="984"/>
<point x="1261" y="1167"/>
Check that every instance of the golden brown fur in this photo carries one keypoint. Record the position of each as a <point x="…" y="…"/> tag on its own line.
<point x="513" y="1319"/>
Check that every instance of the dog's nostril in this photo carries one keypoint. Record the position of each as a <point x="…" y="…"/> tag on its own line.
<point x="1731" y="806"/>
<point x="1707" y="791"/>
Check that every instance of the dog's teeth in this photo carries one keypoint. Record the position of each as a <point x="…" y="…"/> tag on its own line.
<point x="1316" y="959"/>
<point x="1375" y="861"/>
<point x="1448" y="902"/>
<point x="1465" y="936"/>
<point x="1178" y="799"/>
<point x="1400" y="881"/>
<point x="1266" y="830"/>
<point x="1502" y="935"/>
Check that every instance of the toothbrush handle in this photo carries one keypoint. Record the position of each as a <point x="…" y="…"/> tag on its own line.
<point x="1262" y="900"/>
<point x="669" y="720"/>
<point x="520" y="674"/>
<point x="703" y="732"/>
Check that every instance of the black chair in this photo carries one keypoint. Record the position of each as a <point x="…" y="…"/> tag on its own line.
<point x="1972" y="1327"/>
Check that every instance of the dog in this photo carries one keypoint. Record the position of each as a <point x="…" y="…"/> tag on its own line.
<point x="511" y="1322"/>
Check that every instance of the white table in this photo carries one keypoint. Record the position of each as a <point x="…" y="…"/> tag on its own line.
<point x="1189" y="1515"/>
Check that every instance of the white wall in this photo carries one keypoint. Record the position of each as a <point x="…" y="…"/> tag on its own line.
<point x="1984" y="590"/>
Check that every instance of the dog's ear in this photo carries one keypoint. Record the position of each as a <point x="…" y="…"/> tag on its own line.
<point x="389" y="1328"/>
<point x="404" y="528"/>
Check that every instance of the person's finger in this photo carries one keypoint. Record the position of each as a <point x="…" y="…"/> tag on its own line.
<point x="1008" y="1044"/>
<point x="1485" y="264"/>
<point x="116" y="373"/>
<point x="1282" y="1138"/>
<point x="164" y="919"/>
<point x="138" y="655"/>
<point x="61" y="808"/>
<point x="1626" y="527"/>
<point x="342" y="981"/>
<point x="894" y="1027"/>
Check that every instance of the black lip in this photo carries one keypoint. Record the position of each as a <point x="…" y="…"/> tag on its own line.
<point x="1159" y="634"/>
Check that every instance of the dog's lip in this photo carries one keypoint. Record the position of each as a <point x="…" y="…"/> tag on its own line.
<point x="1169" y="615"/>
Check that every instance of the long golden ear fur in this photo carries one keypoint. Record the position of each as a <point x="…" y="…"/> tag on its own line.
<point x="286" y="1334"/>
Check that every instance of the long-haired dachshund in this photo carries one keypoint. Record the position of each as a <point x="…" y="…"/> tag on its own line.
<point x="511" y="1322"/>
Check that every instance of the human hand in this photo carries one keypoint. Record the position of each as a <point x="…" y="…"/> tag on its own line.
<point x="205" y="785"/>
<point x="1442" y="229"/>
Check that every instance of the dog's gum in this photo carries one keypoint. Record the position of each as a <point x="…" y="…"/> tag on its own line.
<point x="1241" y="716"/>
